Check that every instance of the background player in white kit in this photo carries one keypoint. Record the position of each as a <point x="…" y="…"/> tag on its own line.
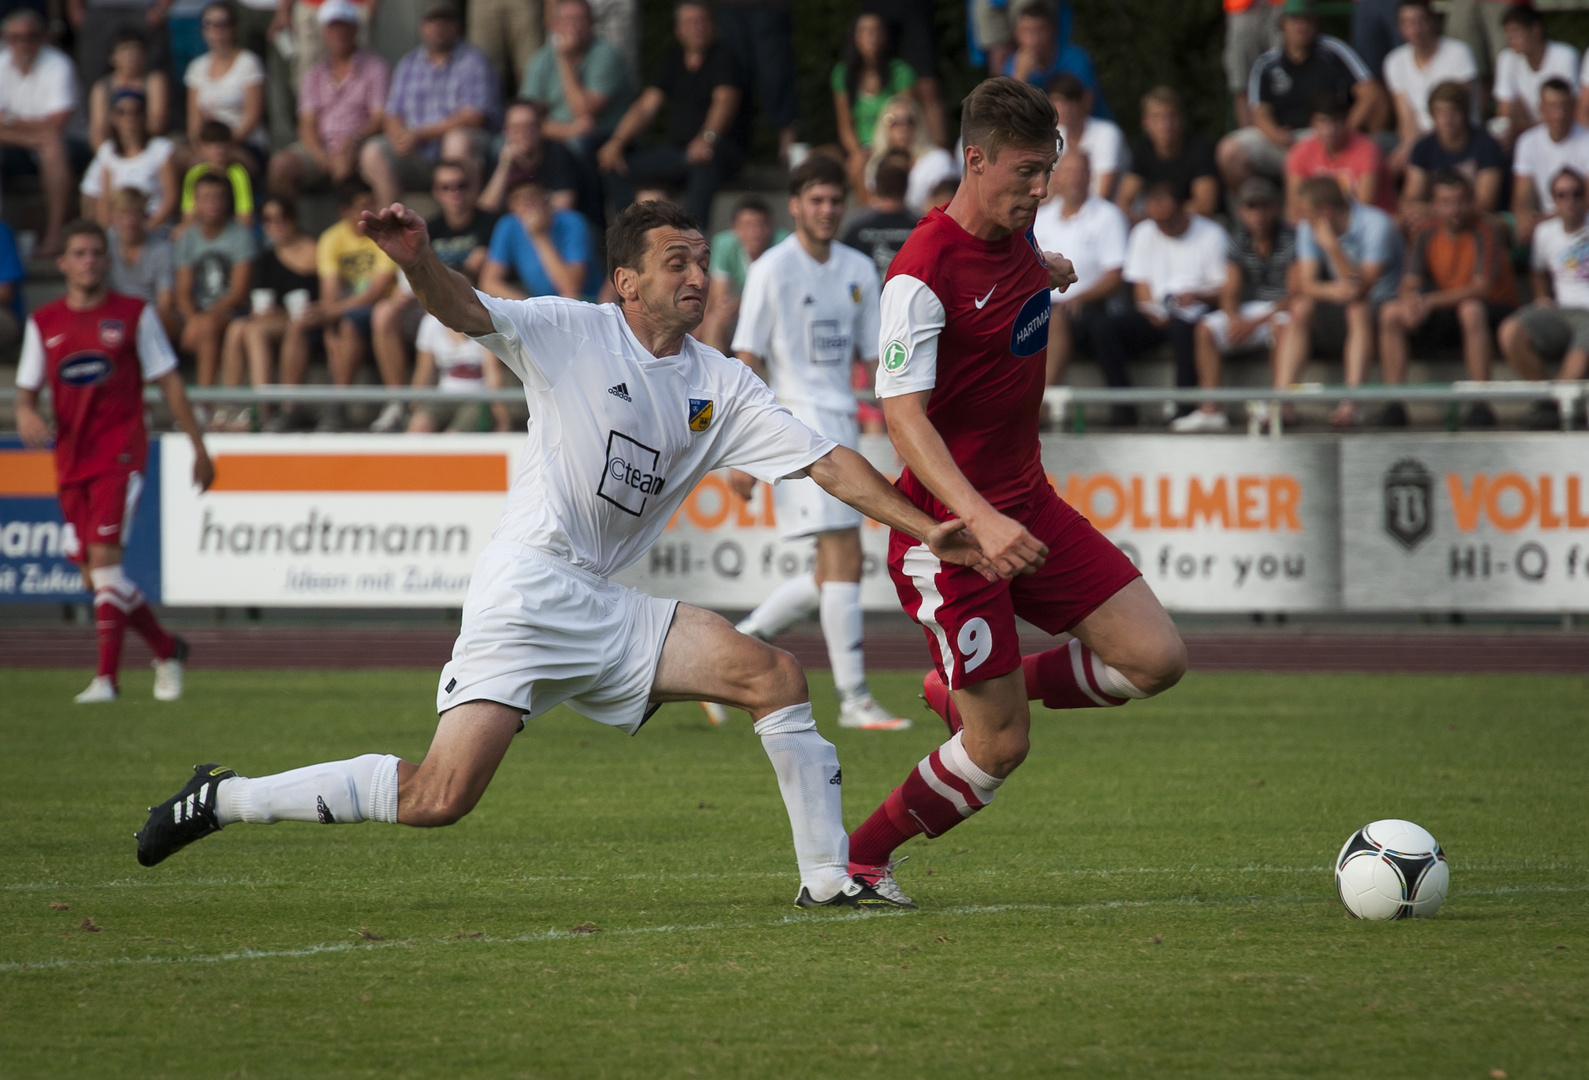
<point x="808" y="309"/>
<point x="627" y="413"/>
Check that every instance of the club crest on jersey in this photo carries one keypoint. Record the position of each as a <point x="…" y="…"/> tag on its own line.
<point x="1029" y="334"/>
<point x="700" y="414"/>
<point x="112" y="332"/>
<point x="855" y="293"/>
<point x="85" y="369"/>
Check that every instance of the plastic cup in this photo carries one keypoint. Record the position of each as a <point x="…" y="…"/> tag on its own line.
<point x="295" y="302"/>
<point x="262" y="300"/>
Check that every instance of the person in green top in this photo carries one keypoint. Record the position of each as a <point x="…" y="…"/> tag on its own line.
<point x="733" y="250"/>
<point x="863" y="81"/>
<point x="584" y="83"/>
<point x="217" y="153"/>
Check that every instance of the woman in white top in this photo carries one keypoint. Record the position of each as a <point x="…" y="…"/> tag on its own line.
<point x="226" y="83"/>
<point x="130" y="159"/>
<point x="902" y="127"/>
<point x="460" y="365"/>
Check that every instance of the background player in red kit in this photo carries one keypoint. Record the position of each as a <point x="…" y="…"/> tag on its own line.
<point x="96" y="349"/>
<point x="964" y="333"/>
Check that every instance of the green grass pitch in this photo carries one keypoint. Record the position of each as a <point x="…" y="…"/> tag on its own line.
<point x="1150" y="896"/>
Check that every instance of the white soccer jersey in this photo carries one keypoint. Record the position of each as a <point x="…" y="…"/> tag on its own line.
<point x="807" y="319"/>
<point x="619" y="437"/>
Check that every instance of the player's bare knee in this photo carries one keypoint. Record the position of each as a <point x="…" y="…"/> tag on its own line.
<point x="1003" y="753"/>
<point x="1159" y="663"/>
<point x="783" y="682"/>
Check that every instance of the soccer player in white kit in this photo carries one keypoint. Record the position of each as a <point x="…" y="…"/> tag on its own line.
<point x="809" y="307"/>
<point x="627" y="413"/>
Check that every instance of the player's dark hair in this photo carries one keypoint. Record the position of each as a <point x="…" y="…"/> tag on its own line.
<point x="214" y="131"/>
<point x="629" y="236"/>
<point x="1037" y="9"/>
<point x="82" y="227"/>
<point x="1522" y="15"/>
<point x="1172" y="187"/>
<point x="943" y="191"/>
<point x="1322" y="193"/>
<point x="349" y="190"/>
<point x="1452" y="93"/>
<point x="818" y="169"/>
<point x="1004" y="112"/>
<point x="1557" y="85"/>
<point x="1421" y="4"/>
<point x="288" y="208"/>
<point x="1167" y="96"/>
<point x="1570" y="173"/>
<point x="1066" y="86"/>
<point x="213" y="178"/>
<point x="893" y="176"/>
<point x="129" y="35"/>
<point x="1449" y="177"/>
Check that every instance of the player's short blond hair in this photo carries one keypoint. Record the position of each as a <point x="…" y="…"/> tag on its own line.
<point x="1004" y="112"/>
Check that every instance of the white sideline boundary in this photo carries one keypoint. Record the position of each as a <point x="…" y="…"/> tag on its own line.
<point x="15" y="966"/>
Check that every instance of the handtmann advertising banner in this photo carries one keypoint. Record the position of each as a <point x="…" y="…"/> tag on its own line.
<point x="1305" y="523"/>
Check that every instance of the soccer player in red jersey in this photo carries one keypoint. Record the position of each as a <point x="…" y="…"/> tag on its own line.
<point x="964" y="334"/>
<point x="96" y="349"/>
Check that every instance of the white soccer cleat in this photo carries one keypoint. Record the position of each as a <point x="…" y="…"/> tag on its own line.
<point x="101" y="689"/>
<point x="716" y="713"/>
<point x="880" y="879"/>
<point x="863" y="713"/>
<point x="167" y="679"/>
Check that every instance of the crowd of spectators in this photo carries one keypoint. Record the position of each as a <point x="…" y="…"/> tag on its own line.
<point x="1374" y="201"/>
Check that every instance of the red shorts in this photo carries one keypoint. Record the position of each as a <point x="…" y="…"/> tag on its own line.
<point x="100" y="509"/>
<point x="970" y="621"/>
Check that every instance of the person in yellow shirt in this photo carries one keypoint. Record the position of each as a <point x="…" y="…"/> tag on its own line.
<point x="354" y="274"/>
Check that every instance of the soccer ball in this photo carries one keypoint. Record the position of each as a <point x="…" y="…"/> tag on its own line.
<point x="1392" y="869"/>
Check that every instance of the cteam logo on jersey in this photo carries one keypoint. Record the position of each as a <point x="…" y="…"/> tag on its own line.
<point x="112" y="332"/>
<point x="86" y="369"/>
<point x="630" y="477"/>
<point x="1029" y="334"/>
<point x="894" y="357"/>
<point x="700" y="414"/>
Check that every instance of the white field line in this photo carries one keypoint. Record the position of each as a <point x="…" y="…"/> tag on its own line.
<point x="683" y="928"/>
<point x="533" y="879"/>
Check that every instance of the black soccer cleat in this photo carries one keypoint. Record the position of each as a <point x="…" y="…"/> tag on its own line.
<point x="856" y="893"/>
<point x="187" y="816"/>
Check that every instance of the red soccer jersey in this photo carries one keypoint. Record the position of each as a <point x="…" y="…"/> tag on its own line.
<point x="968" y="320"/>
<point x="96" y="362"/>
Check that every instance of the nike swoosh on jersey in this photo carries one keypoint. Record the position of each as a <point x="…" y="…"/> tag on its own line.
<point x="982" y="303"/>
<point x="50" y="343"/>
<point x="106" y="530"/>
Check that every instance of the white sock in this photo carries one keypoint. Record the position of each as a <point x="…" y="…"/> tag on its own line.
<point x="841" y="626"/>
<point x="811" y="783"/>
<point x="113" y="586"/>
<point x="956" y="760"/>
<point x="789" y="603"/>
<point x="334" y="793"/>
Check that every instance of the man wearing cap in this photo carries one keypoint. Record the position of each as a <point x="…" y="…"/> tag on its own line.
<point x="442" y="103"/>
<point x="1252" y="305"/>
<point x="341" y="103"/>
<point x="1285" y="84"/>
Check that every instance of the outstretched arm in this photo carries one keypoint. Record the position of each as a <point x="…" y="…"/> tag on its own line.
<point x="444" y="293"/>
<point x="850" y="478"/>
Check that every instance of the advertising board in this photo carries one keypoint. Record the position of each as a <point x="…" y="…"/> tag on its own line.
<point x="36" y="545"/>
<point x="1214" y="524"/>
<point x="1469" y="523"/>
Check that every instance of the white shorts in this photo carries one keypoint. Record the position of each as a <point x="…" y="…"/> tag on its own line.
<point x="804" y="509"/>
<point x="538" y="632"/>
<point x="1263" y="337"/>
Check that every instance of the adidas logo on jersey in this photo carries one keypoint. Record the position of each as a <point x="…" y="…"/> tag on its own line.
<point x="809" y="300"/>
<point x="621" y="392"/>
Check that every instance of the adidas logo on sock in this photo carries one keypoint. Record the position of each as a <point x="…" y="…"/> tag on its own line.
<point x="621" y="392"/>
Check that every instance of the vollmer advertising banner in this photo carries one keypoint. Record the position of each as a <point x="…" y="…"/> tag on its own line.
<point x="332" y="520"/>
<point x="37" y="547"/>
<point x="1469" y="523"/>
<point x="1214" y="524"/>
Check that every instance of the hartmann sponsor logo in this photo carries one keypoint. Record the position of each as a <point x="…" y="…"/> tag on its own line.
<point x="1029" y="334"/>
<point x="322" y="534"/>
<point x="37" y="539"/>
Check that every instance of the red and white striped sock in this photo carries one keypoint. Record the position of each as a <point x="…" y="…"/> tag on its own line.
<point x="1072" y="677"/>
<point x="944" y="789"/>
<point x="114" y="598"/>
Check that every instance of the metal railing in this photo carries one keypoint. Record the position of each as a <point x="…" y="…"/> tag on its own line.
<point x="1062" y="401"/>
